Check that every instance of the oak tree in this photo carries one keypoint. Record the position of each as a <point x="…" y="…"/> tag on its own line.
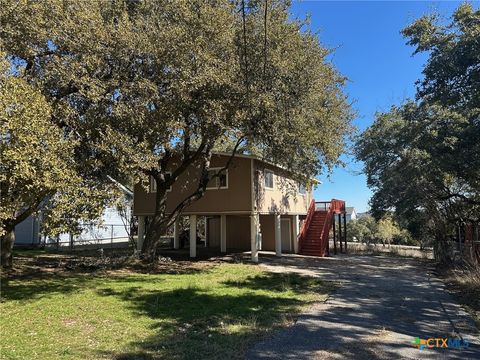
<point x="141" y="83"/>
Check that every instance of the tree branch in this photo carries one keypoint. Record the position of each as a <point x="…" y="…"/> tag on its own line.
<point x="204" y="180"/>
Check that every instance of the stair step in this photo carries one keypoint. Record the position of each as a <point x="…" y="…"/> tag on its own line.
<point x="319" y="254"/>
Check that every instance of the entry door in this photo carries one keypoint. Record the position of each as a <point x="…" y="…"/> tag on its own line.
<point x="286" y="235"/>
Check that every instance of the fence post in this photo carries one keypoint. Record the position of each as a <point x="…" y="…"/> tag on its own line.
<point x="111" y="236"/>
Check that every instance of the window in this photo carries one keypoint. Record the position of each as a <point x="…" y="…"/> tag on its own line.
<point x="153" y="183"/>
<point x="301" y="189"/>
<point x="217" y="182"/>
<point x="268" y="176"/>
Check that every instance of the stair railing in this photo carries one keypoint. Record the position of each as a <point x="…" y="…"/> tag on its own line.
<point x="325" y="234"/>
<point x="306" y="224"/>
<point x="338" y="206"/>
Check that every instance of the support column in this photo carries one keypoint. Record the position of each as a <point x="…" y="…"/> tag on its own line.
<point x="278" y="236"/>
<point x="176" y="235"/>
<point x="223" y="233"/>
<point x="193" y="236"/>
<point x="141" y="232"/>
<point x="296" y="230"/>
<point x="334" y="235"/>
<point x="345" y="230"/>
<point x="253" y="237"/>
<point x="340" y="232"/>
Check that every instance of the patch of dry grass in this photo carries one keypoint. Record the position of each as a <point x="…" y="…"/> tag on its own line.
<point x="464" y="284"/>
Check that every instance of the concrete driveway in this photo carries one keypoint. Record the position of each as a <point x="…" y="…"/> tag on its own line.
<point x="383" y="304"/>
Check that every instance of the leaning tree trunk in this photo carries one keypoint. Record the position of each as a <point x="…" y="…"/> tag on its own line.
<point x="156" y="228"/>
<point x="6" y="244"/>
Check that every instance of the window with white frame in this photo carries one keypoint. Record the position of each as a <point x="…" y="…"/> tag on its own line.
<point x="268" y="179"/>
<point x="302" y="190"/>
<point x="217" y="182"/>
<point x="153" y="184"/>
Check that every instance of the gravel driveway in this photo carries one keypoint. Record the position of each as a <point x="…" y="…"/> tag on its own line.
<point x="382" y="305"/>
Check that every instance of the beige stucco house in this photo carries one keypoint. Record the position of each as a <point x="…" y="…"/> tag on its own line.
<point x="254" y="206"/>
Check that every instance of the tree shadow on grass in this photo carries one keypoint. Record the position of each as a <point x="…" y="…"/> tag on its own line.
<point x="280" y="282"/>
<point x="42" y="285"/>
<point x="212" y="323"/>
<point x="38" y="280"/>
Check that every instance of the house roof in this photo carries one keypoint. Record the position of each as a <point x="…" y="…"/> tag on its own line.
<point x="255" y="157"/>
<point x="350" y="210"/>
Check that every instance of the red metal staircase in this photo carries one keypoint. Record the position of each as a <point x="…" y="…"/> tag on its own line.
<point x="315" y="231"/>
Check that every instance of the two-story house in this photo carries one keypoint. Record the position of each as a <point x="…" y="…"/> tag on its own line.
<point x="254" y="205"/>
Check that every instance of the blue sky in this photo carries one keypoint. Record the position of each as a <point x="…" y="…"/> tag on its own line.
<point x="372" y="53"/>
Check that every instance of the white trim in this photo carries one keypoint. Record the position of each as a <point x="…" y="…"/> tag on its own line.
<point x="264" y="179"/>
<point x="217" y="178"/>
<point x="153" y="184"/>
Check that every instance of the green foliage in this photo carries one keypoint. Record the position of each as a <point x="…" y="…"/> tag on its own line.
<point x="403" y="237"/>
<point x="363" y="229"/>
<point x="452" y="74"/>
<point x="38" y="167"/>
<point x="422" y="158"/>
<point x="36" y="157"/>
<point x="198" y="313"/>
<point x="385" y="230"/>
<point x="141" y="82"/>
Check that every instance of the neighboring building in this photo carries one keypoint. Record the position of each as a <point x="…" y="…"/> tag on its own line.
<point x="351" y="213"/>
<point x="249" y="204"/>
<point x="255" y="205"/>
<point x="362" y="215"/>
<point x="27" y="233"/>
<point x="114" y="226"/>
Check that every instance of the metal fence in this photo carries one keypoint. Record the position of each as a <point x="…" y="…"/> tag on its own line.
<point x="93" y="236"/>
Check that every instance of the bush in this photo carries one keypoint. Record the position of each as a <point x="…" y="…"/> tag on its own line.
<point x="404" y="238"/>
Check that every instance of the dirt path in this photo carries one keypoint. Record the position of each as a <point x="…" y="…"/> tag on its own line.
<point x="382" y="305"/>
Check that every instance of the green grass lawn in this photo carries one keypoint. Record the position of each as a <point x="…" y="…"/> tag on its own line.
<point x="210" y="312"/>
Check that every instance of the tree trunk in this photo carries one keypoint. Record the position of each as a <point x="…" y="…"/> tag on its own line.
<point x="160" y="220"/>
<point x="6" y="244"/>
<point x="442" y="251"/>
<point x="156" y="228"/>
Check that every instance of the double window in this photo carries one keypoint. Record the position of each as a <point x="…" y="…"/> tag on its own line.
<point x="268" y="178"/>
<point x="217" y="182"/>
